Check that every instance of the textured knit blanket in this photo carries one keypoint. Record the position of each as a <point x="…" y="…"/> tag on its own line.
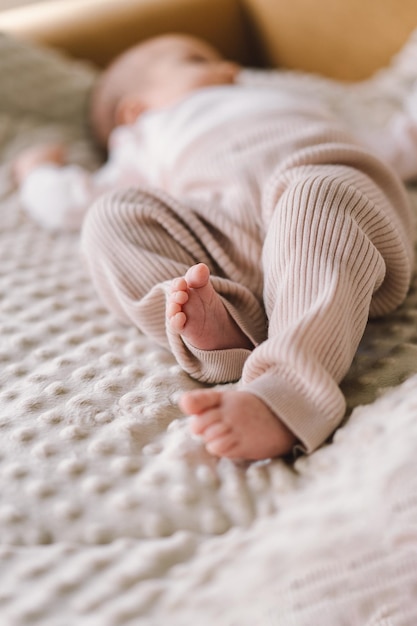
<point x="110" y="513"/>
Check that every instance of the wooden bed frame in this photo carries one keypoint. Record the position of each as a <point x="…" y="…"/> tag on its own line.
<point x="345" y="39"/>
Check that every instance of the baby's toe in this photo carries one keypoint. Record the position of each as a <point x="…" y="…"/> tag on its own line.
<point x="199" y="423"/>
<point x="199" y="401"/>
<point x="197" y="276"/>
<point x="224" y="445"/>
<point x="179" y="284"/>
<point x="177" y="321"/>
<point x="173" y="308"/>
<point x="214" y="431"/>
<point x="180" y="297"/>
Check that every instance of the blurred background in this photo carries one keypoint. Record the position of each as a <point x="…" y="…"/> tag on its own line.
<point x="11" y="4"/>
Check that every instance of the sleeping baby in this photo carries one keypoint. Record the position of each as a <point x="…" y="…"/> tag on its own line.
<point x="242" y="226"/>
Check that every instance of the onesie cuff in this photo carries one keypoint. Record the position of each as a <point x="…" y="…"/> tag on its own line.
<point x="311" y="419"/>
<point x="207" y="366"/>
<point x="215" y="366"/>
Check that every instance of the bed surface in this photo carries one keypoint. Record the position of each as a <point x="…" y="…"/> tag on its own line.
<point x="110" y="513"/>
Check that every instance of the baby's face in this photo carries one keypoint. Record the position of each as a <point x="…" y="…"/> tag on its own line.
<point x="178" y="65"/>
<point x="153" y="75"/>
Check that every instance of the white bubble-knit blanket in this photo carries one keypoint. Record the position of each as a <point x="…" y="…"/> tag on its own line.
<point x="110" y="514"/>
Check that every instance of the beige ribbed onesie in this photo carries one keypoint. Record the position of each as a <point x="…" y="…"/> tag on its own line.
<point x="305" y="234"/>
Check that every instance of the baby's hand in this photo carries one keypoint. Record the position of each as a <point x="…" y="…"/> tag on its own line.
<point x="31" y="158"/>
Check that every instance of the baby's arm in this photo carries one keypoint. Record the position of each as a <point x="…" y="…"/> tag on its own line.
<point x="54" y="194"/>
<point x="36" y="156"/>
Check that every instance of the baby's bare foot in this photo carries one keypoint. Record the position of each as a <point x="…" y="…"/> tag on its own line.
<point x="196" y="311"/>
<point x="236" y="424"/>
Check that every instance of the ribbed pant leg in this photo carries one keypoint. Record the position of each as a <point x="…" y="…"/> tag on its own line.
<point x="136" y="241"/>
<point x="336" y="248"/>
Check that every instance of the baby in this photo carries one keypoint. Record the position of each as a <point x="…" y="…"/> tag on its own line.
<point x="250" y="233"/>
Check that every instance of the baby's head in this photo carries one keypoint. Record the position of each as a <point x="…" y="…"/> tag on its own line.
<point x="153" y="75"/>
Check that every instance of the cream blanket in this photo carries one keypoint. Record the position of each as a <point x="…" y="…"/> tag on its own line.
<point x="110" y="514"/>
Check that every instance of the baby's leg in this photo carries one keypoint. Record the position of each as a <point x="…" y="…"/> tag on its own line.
<point x="133" y="243"/>
<point x="128" y="249"/>
<point x="140" y="245"/>
<point x="336" y="248"/>
<point x="233" y="424"/>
